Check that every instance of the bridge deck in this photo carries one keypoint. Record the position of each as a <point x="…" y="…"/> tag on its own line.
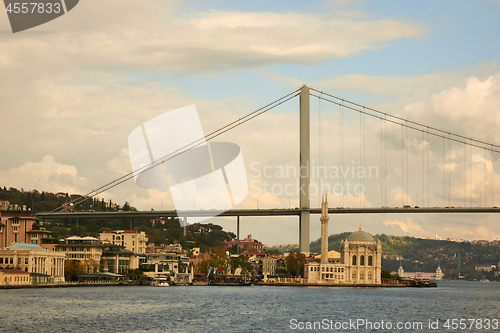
<point x="266" y="212"/>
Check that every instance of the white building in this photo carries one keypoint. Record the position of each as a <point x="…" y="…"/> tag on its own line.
<point x="437" y="276"/>
<point x="360" y="258"/>
<point x="133" y="241"/>
<point x="32" y="258"/>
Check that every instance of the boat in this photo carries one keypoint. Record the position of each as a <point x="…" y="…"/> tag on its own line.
<point x="159" y="282"/>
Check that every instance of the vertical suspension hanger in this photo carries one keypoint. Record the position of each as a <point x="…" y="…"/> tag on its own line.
<point x="364" y="160"/>
<point x="444" y="177"/>
<point x="470" y="171"/>
<point x="423" y="170"/>
<point x="492" y="178"/>
<point x="385" y="161"/>
<point x="381" y="163"/>
<point x="428" y="166"/>
<point x="406" y="148"/>
<point x="360" y="150"/>
<point x="341" y="154"/>
<point x="465" y="195"/>
<point x="320" y="134"/>
<point x="402" y="166"/>
<point x="449" y="170"/>
<point x="485" y="190"/>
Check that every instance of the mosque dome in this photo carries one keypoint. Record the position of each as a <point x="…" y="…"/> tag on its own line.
<point x="360" y="236"/>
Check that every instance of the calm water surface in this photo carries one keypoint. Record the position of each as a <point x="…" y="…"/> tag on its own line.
<point x="244" y="309"/>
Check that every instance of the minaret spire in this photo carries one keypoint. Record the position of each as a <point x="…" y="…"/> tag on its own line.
<point x="324" y="229"/>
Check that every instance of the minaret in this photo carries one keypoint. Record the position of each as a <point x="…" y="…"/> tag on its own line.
<point x="400" y="269"/>
<point x="324" y="230"/>
<point x="439" y="273"/>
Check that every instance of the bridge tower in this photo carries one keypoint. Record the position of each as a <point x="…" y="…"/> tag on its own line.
<point x="305" y="174"/>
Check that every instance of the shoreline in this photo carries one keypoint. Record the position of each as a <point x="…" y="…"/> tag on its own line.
<point x="338" y="285"/>
<point x="73" y="285"/>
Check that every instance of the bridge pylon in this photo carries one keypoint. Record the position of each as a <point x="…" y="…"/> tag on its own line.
<point x="305" y="163"/>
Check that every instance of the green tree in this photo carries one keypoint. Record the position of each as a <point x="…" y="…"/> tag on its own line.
<point x="295" y="263"/>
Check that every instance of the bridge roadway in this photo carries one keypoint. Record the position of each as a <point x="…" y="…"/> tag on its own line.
<point x="265" y="212"/>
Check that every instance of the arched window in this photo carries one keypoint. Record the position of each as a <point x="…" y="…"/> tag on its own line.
<point x="362" y="260"/>
<point x="353" y="260"/>
<point x="370" y="260"/>
<point x="370" y="276"/>
<point x="353" y="275"/>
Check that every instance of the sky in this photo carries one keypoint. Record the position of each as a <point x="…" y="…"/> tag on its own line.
<point x="72" y="90"/>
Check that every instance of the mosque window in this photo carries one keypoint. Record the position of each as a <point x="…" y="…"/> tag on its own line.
<point x="370" y="261"/>
<point x="362" y="260"/>
<point x="353" y="275"/>
<point x="370" y="276"/>
<point x="353" y="260"/>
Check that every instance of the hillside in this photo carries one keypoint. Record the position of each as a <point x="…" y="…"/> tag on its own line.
<point x="167" y="232"/>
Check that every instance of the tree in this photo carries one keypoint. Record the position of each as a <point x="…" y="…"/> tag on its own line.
<point x="72" y="268"/>
<point x="295" y="263"/>
<point x="240" y="262"/>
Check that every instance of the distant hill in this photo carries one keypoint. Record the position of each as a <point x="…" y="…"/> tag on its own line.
<point x="425" y="254"/>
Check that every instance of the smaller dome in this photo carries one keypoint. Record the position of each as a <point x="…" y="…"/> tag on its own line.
<point x="360" y="236"/>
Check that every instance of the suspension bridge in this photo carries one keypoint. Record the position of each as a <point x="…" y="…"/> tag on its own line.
<point x="401" y="143"/>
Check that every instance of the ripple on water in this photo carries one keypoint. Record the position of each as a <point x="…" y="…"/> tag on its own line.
<point x="234" y="309"/>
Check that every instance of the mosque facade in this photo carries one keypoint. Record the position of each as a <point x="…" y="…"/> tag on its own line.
<point x="360" y="258"/>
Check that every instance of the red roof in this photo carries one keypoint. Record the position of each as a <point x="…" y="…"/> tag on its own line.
<point x="13" y="271"/>
<point x="249" y="253"/>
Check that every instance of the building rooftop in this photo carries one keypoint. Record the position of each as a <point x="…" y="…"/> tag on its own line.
<point x="12" y="271"/>
<point x="360" y="236"/>
<point x="23" y="246"/>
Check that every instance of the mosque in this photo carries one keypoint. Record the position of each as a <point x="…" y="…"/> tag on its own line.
<point x="360" y="258"/>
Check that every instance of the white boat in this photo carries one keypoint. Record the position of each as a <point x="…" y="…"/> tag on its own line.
<point x="160" y="282"/>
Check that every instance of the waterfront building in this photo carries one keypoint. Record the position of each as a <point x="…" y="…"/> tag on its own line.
<point x="437" y="275"/>
<point x="133" y="241"/>
<point x="269" y="266"/>
<point x="115" y="259"/>
<point x="360" y="258"/>
<point x="14" y="277"/>
<point x="87" y="250"/>
<point x="174" y="266"/>
<point x="32" y="258"/>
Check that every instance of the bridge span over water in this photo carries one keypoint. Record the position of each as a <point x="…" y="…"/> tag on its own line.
<point x="265" y="212"/>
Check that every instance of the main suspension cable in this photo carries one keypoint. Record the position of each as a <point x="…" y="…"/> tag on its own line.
<point x="183" y="149"/>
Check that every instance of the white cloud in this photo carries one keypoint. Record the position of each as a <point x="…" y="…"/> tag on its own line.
<point x="409" y="227"/>
<point x="470" y="233"/>
<point x="46" y="175"/>
<point x="122" y="36"/>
